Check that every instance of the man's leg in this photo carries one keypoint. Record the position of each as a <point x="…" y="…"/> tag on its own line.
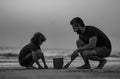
<point x="97" y="54"/>
<point x="102" y="61"/>
<point x="102" y="52"/>
<point x="85" y="55"/>
<point x="80" y="43"/>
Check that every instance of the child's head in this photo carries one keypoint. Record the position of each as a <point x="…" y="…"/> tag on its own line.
<point x="38" y="38"/>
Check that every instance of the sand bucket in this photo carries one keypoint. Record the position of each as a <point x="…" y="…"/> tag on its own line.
<point x="58" y="63"/>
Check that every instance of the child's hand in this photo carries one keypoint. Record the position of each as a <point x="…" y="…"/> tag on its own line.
<point x="40" y="67"/>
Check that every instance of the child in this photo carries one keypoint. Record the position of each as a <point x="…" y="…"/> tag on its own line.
<point x="32" y="52"/>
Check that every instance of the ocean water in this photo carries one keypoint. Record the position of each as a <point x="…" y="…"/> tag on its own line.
<point x="11" y="54"/>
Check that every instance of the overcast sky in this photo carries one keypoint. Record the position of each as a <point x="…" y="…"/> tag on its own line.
<point x="20" y="19"/>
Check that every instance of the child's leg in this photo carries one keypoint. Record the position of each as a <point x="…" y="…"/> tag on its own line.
<point x="28" y="61"/>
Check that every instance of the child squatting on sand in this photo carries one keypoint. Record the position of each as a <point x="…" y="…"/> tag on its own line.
<point x="32" y="52"/>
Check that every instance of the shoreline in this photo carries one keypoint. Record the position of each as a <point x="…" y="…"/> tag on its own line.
<point x="70" y="73"/>
<point x="14" y="71"/>
<point x="111" y="61"/>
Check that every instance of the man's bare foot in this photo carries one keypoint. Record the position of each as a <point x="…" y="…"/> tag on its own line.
<point x="101" y="64"/>
<point x="83" y="67"/>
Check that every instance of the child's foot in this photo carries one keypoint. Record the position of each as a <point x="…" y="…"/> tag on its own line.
<point x="46" y="67"/>
<point x="101" y="65"/>
<point x="83" y="67"/>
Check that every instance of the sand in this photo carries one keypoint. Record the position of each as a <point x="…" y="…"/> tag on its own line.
<point x="110" y="71"/>
<point x="70" y="73"/>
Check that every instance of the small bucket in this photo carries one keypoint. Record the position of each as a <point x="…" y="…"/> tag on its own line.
<point x="58" y="63"/>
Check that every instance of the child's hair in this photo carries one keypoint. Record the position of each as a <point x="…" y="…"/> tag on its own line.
<point x="36" y="38"/>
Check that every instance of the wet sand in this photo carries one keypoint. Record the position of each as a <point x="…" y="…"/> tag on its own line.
<point x="14" y="71"/>
<point x="70" y="73"/>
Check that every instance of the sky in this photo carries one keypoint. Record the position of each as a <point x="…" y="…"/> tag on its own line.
<point x="20" y="19"/>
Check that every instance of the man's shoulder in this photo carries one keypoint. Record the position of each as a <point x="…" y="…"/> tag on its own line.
<point x="92" y="28"/>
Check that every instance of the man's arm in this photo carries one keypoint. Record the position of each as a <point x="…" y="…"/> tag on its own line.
<point x="90" y="45"/>
<point x="80" y="43"/>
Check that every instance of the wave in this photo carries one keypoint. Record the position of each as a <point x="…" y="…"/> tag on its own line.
<point x="47" y="52"/>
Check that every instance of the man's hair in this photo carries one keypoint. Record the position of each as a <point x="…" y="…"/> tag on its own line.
<point x="77" y="20"/>
<point x="36" y="38"/>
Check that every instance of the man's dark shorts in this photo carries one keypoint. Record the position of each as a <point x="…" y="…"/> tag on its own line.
<point x="103" y="51"/>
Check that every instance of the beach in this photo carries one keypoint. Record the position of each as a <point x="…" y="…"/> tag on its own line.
<point x="71" y="73"/>
<point x="59" y="74"/>
<point x="10" y="68"/>
<point x="20" y="20"/>
<point x="13" y="70"/>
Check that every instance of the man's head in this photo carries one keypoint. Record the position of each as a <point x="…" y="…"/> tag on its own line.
<point x="77" y="24"/>
<point x="38" y="38"/>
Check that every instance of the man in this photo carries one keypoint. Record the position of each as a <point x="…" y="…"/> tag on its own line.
<point x="92" y="44"/>
<point x="32" y="52"/>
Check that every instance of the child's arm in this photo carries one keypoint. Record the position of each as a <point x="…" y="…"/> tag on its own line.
<point x="35" y="58"/>
<point x="42" y="58"/>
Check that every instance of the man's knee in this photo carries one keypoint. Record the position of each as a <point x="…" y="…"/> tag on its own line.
<point x="86" y="53"/>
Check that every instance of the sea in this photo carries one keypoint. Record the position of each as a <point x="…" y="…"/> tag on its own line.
<point x="9" y="57"/>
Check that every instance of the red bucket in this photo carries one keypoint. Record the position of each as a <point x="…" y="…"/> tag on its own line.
<point x="58" y="63"/>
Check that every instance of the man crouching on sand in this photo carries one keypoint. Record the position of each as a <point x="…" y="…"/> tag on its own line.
<point x="92" y="44"/>
<point x="31" y="52"/>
